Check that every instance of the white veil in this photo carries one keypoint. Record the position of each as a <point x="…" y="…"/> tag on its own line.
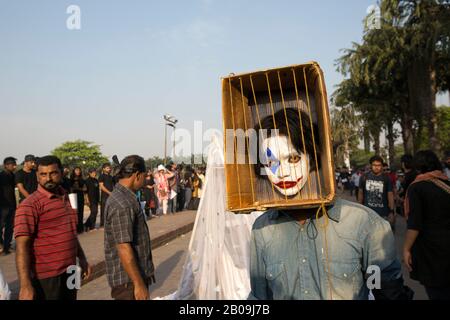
<point x="218" y="259"/>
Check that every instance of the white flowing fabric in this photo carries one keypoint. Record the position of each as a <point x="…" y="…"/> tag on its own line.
<point x="218" y="260"/>
<point x="5" y="293"/>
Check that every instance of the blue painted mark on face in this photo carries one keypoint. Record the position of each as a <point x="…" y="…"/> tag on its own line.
<point x="274" y="162"/>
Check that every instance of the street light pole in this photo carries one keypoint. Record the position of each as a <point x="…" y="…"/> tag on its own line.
<point x="170" y="121"/>
<point x="165" y="143"/>
<point x="174" y="128"/>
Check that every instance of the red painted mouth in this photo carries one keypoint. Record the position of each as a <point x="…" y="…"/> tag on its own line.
<point x="288" y="184"/>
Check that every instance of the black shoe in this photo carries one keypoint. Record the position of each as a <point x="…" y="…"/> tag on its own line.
<point x="6" y="252"/>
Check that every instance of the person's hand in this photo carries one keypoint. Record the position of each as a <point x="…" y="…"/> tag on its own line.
<point x="141" y="292"/>
<point x="391" y="218"/>
<point x="86" y="269"/>
<point x="407" y="259"/>
<point x="26" y="292"/>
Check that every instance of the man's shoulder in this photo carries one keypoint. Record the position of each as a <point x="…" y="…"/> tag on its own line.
<point x="117" y="199"/>
<point x="19" y="173"/>
<point x="265" y="219"/>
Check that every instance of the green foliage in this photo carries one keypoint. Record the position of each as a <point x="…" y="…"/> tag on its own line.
<point x="80" y="153"/>
<point x="444" y="127"/>
<point x="154" y="162"/>
<point x="443" y="131"/>
<point x="360" y="158"/>
<point x="384" y="83"/>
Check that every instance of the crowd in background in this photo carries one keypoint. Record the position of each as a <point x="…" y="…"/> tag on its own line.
<point x="348" y="180"/>
<point x="167" y="190"/>
<point x="420" y="193"/>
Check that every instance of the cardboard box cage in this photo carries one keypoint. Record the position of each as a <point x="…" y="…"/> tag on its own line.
<point x="249" y="97"/>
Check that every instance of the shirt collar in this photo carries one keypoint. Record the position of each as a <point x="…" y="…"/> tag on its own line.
<point x="126" y="191"/>
<point x="332" y="210"/>
<point x="51" y="195"/>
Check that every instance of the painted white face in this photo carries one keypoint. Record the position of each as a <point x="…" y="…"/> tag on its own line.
<point x="285" y="167"/>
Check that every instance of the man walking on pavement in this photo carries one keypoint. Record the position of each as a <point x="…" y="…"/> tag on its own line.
<point x="128" y="255"/>
<point x="46" y="235"/>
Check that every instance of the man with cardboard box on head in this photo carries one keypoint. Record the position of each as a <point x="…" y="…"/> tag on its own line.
<point x="308" y="244"/>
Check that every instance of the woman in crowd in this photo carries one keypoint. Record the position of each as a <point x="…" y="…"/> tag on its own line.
<point x="149" y="195"/>
<point x="163" y="187"/>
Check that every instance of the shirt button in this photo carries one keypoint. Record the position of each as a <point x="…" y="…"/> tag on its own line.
<point x="302" y="229"/>
<point x="304" y="260"/>
<point x="306" y="291"/>
<point x="345" y="275"/>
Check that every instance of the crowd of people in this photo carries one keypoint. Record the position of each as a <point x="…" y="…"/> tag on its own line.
<point x="167" y="190"/>
<point x="419" y="192"/>
<point x="46" y="226"/>
<point x="50" y="215"/>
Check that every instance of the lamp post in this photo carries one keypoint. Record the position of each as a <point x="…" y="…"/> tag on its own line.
<point x="170" y="121"/>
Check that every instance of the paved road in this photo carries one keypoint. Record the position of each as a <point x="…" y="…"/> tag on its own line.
<point x="169" y="261"/>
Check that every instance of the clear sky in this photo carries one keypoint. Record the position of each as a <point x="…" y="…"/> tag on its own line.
<point x="133" y="61"/>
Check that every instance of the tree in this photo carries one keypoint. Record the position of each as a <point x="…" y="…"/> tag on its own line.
<point x="80" y="153"/>
<point x="154" y="162"/>
<point x="345" y="129"/>
<point x="426" y="26"/>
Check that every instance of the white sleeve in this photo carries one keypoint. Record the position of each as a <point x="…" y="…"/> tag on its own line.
<point x="5" y="293"/>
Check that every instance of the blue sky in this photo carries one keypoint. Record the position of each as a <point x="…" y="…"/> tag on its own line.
<point x="133" y="61"/>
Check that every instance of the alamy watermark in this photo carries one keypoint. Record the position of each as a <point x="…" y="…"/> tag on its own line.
<point x="73" y="22"/>
<point x="74" y="278"/>
<point x="373" y="20"/>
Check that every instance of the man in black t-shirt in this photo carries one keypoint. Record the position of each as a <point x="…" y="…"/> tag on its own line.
<point x="376" y="191"/>
<point x="93" y="192"/>
<point x="7" y="203"/>
<point x="106" y="183"/>
<point x="26" y="179"/>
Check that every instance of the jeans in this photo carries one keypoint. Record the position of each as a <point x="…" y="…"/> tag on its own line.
<point x="187" y="197"/>
<point x="6" y="223"/>
<point x="173" y="205"/>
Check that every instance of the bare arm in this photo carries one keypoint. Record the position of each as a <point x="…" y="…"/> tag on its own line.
<point x="103" y="188"/>
<point x="86" y="268"/>
<point x="129" y="263"/>
<point x="361" y="196"/>
<point x="22" y="190"/>
<point x="170" y="175"/>
<point x="410" y="238"/>
<point x="391" y="200"/>
<point x="23" y="244"/>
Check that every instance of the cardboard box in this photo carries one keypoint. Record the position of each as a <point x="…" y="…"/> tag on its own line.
<point x="249" y="98"/>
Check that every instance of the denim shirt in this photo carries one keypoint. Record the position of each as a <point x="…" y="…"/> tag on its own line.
<point x="290" y="261"/>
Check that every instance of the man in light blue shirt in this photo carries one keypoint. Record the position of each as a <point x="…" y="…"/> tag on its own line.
<point x="295" y="256"/>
